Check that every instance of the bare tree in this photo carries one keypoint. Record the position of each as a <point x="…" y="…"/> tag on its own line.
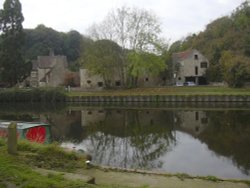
<point x="132" y="28"/>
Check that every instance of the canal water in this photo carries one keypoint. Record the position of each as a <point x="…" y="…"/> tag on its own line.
<point x="193" y="139"/>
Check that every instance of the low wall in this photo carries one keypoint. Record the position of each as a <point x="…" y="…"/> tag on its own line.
<point x="158" y="98"/>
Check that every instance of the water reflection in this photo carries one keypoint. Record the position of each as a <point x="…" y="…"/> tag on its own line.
<point x="211" y="141"/>
<point x="128" y="138"/>
<point x="189" y="141"/>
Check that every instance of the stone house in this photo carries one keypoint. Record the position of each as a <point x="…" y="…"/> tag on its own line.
<point x="48" y="71"/>
<point x="189" y="66"/>
<point x="96" y="82"/>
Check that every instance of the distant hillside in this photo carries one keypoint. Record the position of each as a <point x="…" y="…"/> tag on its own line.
<point x="229" y="34"/>
<point x="225" y="33"/>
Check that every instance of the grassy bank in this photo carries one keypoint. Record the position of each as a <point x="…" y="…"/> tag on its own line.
<point x="201" y="90"/>
<point x="22" y="171"/>
<point x="18" y="171"/>
<point x="55" y="95"/>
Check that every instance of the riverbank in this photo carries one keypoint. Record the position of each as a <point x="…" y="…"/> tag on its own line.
<point x="157" y="95"/>
<point x="51" y="166"/>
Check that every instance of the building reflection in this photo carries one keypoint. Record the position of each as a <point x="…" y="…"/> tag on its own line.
<point x="192" y="122"/>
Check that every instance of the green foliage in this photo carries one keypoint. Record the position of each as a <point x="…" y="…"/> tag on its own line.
<point x="21" y="175"/>
<point x="32" y="95"/>
<point x="235" y="69"/>
<point x="212" y="178"/>
<point x="104" y="58"/>
<point x="41" y="40"/>
<point x="2" y="142"/>
<point x="214" y="73"/>
<point x="51" y="156"/>
<point x="140" y="63"/>
<point x="13" y="67"/>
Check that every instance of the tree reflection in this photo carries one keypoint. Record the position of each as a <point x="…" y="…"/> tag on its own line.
<point x="228" y="134"/>
<point x="131" y="138"/>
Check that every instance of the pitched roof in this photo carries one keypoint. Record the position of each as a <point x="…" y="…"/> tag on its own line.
<point x="182" y="55"/>
<point x="47" y="62"/>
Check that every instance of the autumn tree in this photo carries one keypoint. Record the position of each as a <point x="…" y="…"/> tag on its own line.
<point x="13" y="67"/>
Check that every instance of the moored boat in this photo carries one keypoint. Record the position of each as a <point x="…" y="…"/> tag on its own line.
<point x="33" y="131"/>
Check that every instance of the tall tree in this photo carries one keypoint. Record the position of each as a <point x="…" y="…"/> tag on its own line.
<point x="236" y="68"/>
<point x="137" y="30"/>
<point x="140" y="63"/>
<point x="13" y="66"/>
<point x="104" y="58"/>
<point x="131" y="28"/>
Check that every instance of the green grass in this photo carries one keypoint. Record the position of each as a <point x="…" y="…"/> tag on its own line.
<point x="200" y="90"/>
<point x="17" y="169"/>
<point x="14" y="171"/>
<point x="50" y="157"/>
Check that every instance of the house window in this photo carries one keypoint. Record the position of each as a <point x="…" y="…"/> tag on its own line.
<point x="196" y="116"/>
<point x="196" y="57"/>
<point x="89" y="112"/>
<point x="146" y="79"/>
<point x="100" y="84"/>
<point x="89" y="81"/>
<point x="179" y="78"/>
<point x="204" y="64"/>
<point x="196" y="70"/>
<point x="117" y="83"/>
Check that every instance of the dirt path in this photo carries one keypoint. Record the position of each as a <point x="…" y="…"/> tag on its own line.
<point x="107" y="177"/>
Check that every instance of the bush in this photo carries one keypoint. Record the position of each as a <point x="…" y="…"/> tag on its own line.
<point x="33" y="95"/>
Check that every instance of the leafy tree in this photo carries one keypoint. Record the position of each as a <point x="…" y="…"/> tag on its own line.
<point x="141" y="63"/>
<point x="41" y="40"/>
<point x="72" y="44"/>
<point x="236" y="69"/>
<point x="104" y="58"/>
<point x="13" y="67"/>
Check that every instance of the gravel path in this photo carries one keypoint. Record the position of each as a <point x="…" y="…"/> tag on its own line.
<point x="154" y="181"/>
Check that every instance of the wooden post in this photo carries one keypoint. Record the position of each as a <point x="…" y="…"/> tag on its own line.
<point x="12" y="139"/>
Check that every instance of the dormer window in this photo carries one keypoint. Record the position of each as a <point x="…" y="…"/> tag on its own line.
<point x="196" y="57"/>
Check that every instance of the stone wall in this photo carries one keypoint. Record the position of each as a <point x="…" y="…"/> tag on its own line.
<point x="159" y="98"/>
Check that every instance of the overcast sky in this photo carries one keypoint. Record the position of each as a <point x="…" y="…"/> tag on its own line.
<point x="178" y="17"/>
